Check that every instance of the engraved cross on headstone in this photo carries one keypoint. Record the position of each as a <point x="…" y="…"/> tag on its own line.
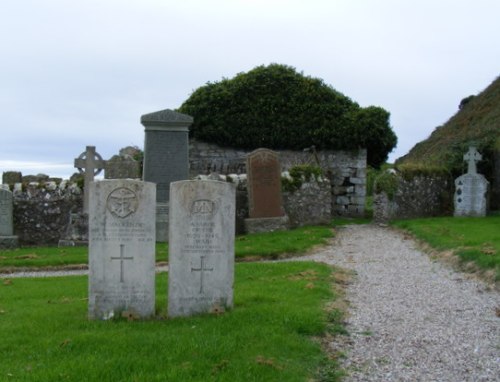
<point x="471" y="157"/>
<point x="90" y="164"/>
<point x="122" y="258"/>
<point x="202" y="269"/>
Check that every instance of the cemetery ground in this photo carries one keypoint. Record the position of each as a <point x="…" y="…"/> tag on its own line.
<point x="279" y="309"/>
<point x="281" y="316"/>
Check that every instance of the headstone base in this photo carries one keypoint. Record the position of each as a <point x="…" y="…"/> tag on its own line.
<point x="257" y="225"/>
<point x="162" y="222"/>
<point x="8" y="242"/>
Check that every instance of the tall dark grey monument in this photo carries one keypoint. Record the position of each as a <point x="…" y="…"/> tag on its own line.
<point x="165" y="158"/>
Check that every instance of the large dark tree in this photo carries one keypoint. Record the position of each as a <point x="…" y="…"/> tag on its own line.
<point x="276" y="107"/>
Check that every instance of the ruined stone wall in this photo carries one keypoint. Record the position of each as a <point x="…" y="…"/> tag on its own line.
<point x="421" y="196"/>
<point x="308" y="205"/>
<point x="345" y="169"/>
<point x="311" y="204"/>
<point x="42" y="211"/>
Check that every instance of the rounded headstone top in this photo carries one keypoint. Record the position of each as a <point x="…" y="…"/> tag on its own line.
<point x="166" y="118"/>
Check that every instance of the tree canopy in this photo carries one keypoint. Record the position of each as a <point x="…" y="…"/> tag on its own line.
<point x="276" y="107"/>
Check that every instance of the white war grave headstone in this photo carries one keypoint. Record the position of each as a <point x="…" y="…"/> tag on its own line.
<point x="471" y="189"/>
<point x="7" y="238"/>
<point x="121" y="248"/>
<point x="90" y="164"/>
<point x="201" y="247"/>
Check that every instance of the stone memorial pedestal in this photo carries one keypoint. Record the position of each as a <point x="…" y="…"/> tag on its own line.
<point x="165" y="158"/>
<point x="201" y="247"/>
<point x="121" y="249"/>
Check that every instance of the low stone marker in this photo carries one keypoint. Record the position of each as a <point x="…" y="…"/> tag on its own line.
<point x="201" y="247"/>
<point x="265" y="201"/>
<point x="471" y="189"/>
<point x="7" y="238"/>
<point x="121" y="248"/>
<point x="90" y="164"/>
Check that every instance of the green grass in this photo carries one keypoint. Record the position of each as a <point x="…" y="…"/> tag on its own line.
<point x="474" y="240"/>
<point x="262" y="245"/>
<point x="268" y="336"/>
<point x="279" y="243"/>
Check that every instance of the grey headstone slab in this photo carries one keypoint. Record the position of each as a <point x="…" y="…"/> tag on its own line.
<point x="201" y="247"/>
<point x="6" y="213"/>
<point x="121" y="248"/>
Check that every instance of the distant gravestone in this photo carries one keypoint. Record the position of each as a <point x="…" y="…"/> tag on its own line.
<point x="12" y="177"/>
<point x="121" y="167"/>
<point x="89" y="163"/>
<point x="265" y="200"/>
<point x="165" y="158"/>
<point x="201" y="247"/>
<point x="471" y="189"/>
<point x="121" y="249"/>
<point x="7" y="238"/>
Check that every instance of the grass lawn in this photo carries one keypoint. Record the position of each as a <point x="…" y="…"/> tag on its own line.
<point x="262" y="245"/>
<point x="474" y="240"/>
<point x="269" y="336"/>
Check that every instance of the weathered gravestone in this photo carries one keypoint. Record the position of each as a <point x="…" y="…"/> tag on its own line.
<point x="7" y="238"/>
<point x="265" y="200"/>
<point x="201" y="247"/>
<point x="90" y="164"/>
<point x="471" y="189"/>
<point x="165" y="158"/>
<point x="12" y="177"/>
<point x="121" y="248"/>
<point x="122" y="167"/>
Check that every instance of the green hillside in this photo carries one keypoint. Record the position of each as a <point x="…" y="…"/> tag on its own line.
<point x="477" y="122"/>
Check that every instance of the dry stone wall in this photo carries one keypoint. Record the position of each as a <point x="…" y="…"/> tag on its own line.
<point x="42" y="211"/>
<point x="421" y="196"/>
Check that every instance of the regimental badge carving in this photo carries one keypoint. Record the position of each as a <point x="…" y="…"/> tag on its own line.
<point x="203" y="207"/>
<point x="122" y="202"/>
<point x="265" y="157"/>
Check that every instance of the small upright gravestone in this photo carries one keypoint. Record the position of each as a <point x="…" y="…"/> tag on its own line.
<point x="121" y="167"/>
<point x="201" y="247"/>
<point x="7" y="238"/>
<point x="265" y="200"/>
<point x="121" y="249"/>
<point x="165" y="158"/>
<point x="471" y="189"/>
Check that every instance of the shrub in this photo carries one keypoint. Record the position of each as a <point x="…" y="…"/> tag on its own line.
<point x="276" y="107"/>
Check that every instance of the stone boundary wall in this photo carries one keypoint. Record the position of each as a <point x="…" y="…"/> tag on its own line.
<point x="42" y="211"/>
<point x="346" y="170"/>
<point x="422" y="196"/>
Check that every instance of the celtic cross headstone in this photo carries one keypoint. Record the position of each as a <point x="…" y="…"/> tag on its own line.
<point x="121" y="248"/>
<point x="471" y="189"/>
<point x="472" y="157"/>
<point x="90" y="164"/>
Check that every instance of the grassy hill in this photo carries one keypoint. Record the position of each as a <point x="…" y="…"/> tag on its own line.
<point x="476" y="123"/>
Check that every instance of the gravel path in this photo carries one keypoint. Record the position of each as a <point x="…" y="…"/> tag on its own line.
<point x="412" y="319"/>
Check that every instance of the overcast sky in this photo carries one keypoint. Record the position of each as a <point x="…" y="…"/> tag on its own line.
<point x="82" y="73"/>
